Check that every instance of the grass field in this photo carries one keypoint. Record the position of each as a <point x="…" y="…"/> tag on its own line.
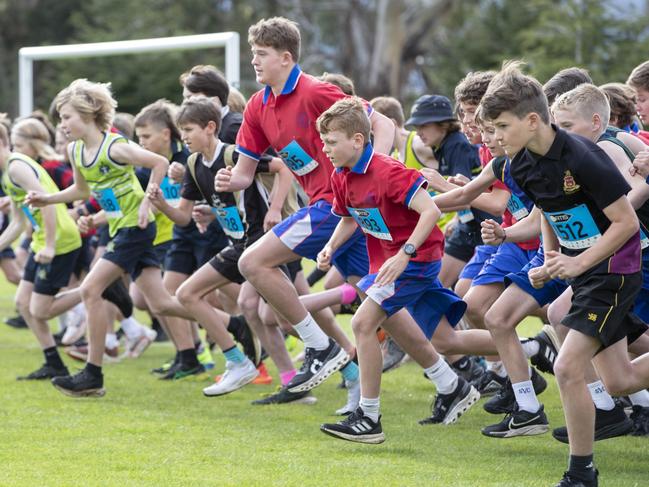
<point x="148" y="432"/>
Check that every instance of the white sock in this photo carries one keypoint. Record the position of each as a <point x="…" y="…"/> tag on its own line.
<point x="370" y="407"/>
<point x="132" y="328"/>
<point x="526" y="397"/>
<point x="640" y="398"/>
<point x="311" y="334"/>
<point x="497" y="368"/>
<point x="443" y="376"/>
<point x="530" y="347"/>
<point x="111" y="340"/>
<point x="600" y="395"/>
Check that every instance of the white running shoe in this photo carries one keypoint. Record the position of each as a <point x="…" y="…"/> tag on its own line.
<point x="353" y="398"/>
<point x="235" y="377"/>
<point x="75" y="330"/>
<point x="137" y="346"/>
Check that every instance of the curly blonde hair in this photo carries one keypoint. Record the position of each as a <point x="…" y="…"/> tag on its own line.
<point x="94" y="101"/>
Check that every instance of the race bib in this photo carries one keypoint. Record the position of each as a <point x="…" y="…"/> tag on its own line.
<point x="297" y="159"/>
<point x="575" y="228"/>
<point x="371" y="222"/>
<point x="517" y="208"/>
<point x="108" y="202"/>
<point x="230" y="221"/>
<point x="465" y="216"/>
<point x="30" y="217"/>
<point x="170" y="191"/>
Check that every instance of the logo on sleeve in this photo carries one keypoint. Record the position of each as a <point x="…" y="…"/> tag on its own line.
<point x="569" y="184"/>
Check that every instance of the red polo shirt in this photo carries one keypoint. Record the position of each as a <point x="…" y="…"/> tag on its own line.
<point x="287" y="124"/>
<point x="377" y="193"/>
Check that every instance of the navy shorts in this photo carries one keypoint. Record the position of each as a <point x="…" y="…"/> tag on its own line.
<point x="132" y="249"/>
<point x="86" y="254"/>
<point x="307" y="231"/>
<point x="548" y="293"/>
<point x="161" y="251"/>
<point x="48" y="279"/>
<point x="191" y="250"/>
<point x="103" y="236"/>
<point x="508" y="259"/>
<point x="480" y="256"/>
<point x="419" y="291"/>
<point x="463" y="240"/>
<point x="7" y="253"/>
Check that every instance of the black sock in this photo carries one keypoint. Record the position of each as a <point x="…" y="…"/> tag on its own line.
<point x="52" y="358"/>
<point x="462" y="364"/>
<point x="581" y="467"/>
<point x="94" y="370"/>
<point x="188" y="357"/>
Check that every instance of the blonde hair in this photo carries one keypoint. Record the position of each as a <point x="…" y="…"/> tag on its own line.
<point x="94" y="101"/>
<point x="36" y="135"/>
<point x="390" y="107"/>
<point x="4" y="136"/>
<point x="236" y="100"/>
<point x="347" y="115"/>
<point x="585" y="100"/>
<point x="279" y="33"/>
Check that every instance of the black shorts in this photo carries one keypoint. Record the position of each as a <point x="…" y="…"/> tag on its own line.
<point x="189" y="251"/>
<point x="103" y="236"/>
<point x="161" y="251"/>
<point x="25" y="243"/>
<point x="132" y="249"/>
<point x="293" y="269"/>
<point x="462" y="241"/>
<point x="7" y="253"/>
<point x="602" y="307"/>
<point x="226" y="262"/>
<point x="86" y="254"/>
<point x="48" y="279"/>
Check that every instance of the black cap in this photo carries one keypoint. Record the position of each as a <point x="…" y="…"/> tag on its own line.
<point x="431" y="108"/>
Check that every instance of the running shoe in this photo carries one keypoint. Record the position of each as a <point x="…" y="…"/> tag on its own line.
<point x="519" y="423"/>
<point x="45" y="372"/>
<point x="284" y="396"/>
<point x="236" y="376"/>
<point x="81" y="384"/>
<point x="608" y="424"/>
<point x="318" y="366"/>
<point x="447" y="408"/>
<point x="505" y="400"/>
<point x="356" y="427"/>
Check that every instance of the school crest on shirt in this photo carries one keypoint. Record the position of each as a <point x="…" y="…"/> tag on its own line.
<point x="569" y="184"/>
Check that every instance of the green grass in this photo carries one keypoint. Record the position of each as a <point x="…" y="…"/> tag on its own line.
<point x="148" y="432"/>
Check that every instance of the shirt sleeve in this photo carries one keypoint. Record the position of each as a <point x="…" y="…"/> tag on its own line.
<point x="338" y="207"/>
<point x="462" y="158"/>
<point x="189" y="190"/>
<point x="600" y="178"/>
<point x="251" y="139"/>
<point x="498" y="168"/>
<point x="403" y="184"/>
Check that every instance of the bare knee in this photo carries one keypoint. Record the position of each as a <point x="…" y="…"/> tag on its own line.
<point x="362" y="327"/>
<point x="567" y="370"/>
<point x="39" y="312"/>
<point x="445" y="345"/>
<point x="556" y="313"/>
<point x="22" y="304"/>
<point x="248" y="264"/>
<point x="248" y="305"/>
<point x="496" y="321"/>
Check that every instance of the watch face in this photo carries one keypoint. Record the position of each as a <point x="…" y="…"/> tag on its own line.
<point x="409" y="249"/>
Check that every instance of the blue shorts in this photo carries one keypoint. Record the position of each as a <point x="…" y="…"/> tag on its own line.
<point x="419" y="291"/>
<point x="645" y="269"/>
<point x="548" y="293"/>
<point x="480" y="256"/>
<point x="307" y="231"/>
<point x="508" y="259"/>
<point x="641" y="307"/>
<point x="49" y="278"/>
<point x="132" y="249"/>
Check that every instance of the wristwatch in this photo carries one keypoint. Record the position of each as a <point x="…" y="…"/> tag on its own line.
<point x="410" y="250"/>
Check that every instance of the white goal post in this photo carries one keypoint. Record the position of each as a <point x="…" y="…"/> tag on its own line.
<point x="27" y="56"/>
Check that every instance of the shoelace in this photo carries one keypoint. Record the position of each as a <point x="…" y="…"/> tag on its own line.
<point x="308" y="358"/>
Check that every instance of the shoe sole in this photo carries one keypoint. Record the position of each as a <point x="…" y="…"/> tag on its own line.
<point x="374" y="439"/>
<point x="86" y="393"/>
<point x="308" y="400"/>
<point x="463" y="406"/>
<point x="611" y="431"/>
<point x="242" y="382"/>
<point x="533" y="430"/>
<point x="328" y="369"/>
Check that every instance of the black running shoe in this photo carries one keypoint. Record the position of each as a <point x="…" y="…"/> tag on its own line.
<point x="157" y="327"/>
<point x="547" y="354"/>
<point x="81" y="384"/>
<point x="468" y="369"/>
<point x="117" y="294"/>
<point x="519" y="423"/>
<point x="58" y="337"/>
<point x="570" y="481"/>
<point x="505" y="400"/>
<point x="243" y="334"/>
<point x="46" y="372"/>
<point x="284" y="396"/>
<point x="489" y="383"/>
<point x="181" y="371"/>
<point x="17" y="322"/>
<point x="608" y="424"/>
<point x="640" y="419"/>
<point x="356" y="427"/>
<point x="447" y="408"/>
<point x="318" y="365"/>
